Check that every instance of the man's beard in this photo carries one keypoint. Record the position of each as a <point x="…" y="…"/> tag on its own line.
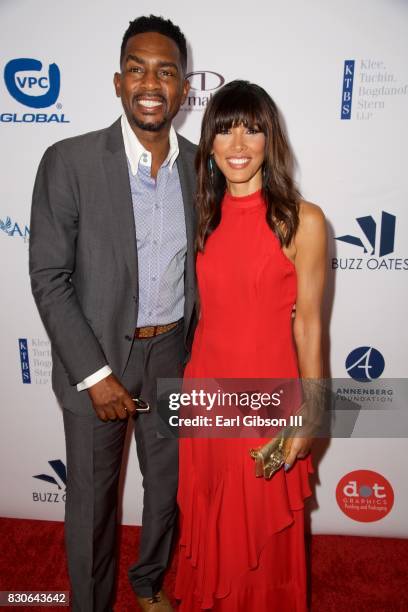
<point x="149" y="127"/>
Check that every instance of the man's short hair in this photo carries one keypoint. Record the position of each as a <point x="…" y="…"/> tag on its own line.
<point x="154" y="23"/>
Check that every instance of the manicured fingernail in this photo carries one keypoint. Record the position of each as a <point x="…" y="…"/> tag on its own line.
<point x="286" y="466"/>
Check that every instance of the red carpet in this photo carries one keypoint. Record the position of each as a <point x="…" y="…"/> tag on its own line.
<point x="348" y="574"/>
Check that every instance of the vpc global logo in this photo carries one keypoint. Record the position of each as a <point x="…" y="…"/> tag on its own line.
<point x="58" y="480"/>
<point x="375" y="240"/>
<point x="365" y="496"/>
<point x="203" y="85"/>
<point x="35" y="87"/>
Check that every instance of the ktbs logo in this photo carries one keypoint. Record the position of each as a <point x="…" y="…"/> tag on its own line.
<point x="58" y="479"/>
<point x="365" y="496"/>
<point x="347" y="92"/>
<point x="365" y="363"/>
<point x="376" y="240"/>
<point x="35" y="361"/>
<point x="25" y="361"/>
<point x="29" y="84"/>
<point x="203" y="84"/>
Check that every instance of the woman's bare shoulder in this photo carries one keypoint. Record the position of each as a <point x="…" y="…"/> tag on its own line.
<point x="310" y="213"/>
<point x="312" y="223"/>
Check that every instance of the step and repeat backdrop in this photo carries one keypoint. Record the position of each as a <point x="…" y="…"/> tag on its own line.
<point x="339" y="74"/>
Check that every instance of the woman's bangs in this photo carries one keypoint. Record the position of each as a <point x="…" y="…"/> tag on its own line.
<point x="236" y="110"/>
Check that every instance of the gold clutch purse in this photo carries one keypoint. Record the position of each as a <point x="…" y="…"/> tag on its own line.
<point x="271" y="457"/>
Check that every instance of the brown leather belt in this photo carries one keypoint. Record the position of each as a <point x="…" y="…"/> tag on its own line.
<point x="154" y="330"/>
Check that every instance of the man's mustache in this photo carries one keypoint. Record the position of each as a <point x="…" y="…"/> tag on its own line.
<point x="149" y="97"/>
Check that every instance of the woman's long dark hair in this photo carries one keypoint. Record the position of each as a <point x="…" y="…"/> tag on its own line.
<point x="243" y="103"/>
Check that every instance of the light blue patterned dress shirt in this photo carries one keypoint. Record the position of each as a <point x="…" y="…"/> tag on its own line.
<point x="161" y="243"/>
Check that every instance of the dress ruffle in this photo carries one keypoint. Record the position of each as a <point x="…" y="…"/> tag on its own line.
<point x="217" y="500"/>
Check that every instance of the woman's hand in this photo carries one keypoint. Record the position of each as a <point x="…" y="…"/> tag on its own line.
<point x="299" y="449"/>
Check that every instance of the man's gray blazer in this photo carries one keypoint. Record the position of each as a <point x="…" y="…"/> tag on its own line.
<point x="83" y="256"/>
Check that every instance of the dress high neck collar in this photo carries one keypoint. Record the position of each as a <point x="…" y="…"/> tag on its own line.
<point x="247" y="201"/>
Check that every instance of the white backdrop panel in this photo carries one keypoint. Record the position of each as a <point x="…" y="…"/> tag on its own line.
<point x="353" y="168"/>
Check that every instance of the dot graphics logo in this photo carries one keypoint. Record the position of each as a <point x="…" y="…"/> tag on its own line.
<point x="203" y="84"/>
<point x="365" y="496"/>
<point x="376" y="240"/>
<point x="365" y="363"/>
<point x="28" y="85"/>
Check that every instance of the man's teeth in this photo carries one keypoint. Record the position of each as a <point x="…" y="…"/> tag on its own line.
<point x="241" y="161"/>
<point x="150" y="103"/>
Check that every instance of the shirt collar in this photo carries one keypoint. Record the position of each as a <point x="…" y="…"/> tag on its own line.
<point x="137" y="154"/>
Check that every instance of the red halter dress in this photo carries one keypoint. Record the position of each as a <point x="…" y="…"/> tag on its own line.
<point x="241" y="546"/>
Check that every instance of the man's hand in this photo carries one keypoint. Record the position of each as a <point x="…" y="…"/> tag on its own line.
<point x="110" y="399"/>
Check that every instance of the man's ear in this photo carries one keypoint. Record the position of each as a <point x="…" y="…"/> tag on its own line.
<point x="186" y="89"/>
<point x="117" y="82"/>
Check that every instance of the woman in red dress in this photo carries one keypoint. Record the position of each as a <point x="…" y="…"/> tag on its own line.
<point x="261" y="250"/>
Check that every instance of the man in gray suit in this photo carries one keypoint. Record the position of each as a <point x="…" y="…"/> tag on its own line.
<point x="112" y="272"/>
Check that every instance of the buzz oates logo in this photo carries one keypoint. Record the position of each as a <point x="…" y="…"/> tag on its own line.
<point x="365" y="496"/>
<point x="56" y="481"/>
<point x="375" y="240"/>
<point x="203" y="85"/>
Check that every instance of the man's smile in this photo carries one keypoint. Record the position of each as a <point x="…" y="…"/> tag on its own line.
<point x="149" y="103"/>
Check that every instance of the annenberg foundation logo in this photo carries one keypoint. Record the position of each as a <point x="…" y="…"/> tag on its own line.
<point x="34" y="87"/>
<point x="365" y="363"/>
<point x="58" y="479"/>
<point x="365" y="496"/>
<point x="376" y="241"/>
<point x="14" y="229"/>
<point x="203" y="85"/>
